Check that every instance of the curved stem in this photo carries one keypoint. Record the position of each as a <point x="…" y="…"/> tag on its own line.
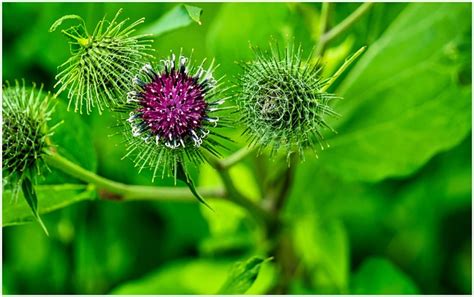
<point x="127" y="192"/>
<point x="232" y="159"/>
<point x="233" y="194"/>
<point x="238" y="198"/>
<point x="341" y="69"/>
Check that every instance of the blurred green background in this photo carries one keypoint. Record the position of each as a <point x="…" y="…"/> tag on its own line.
<point x="386" y="210"/>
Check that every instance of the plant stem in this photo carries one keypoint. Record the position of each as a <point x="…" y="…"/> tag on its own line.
<point x="128" y="192"/>
<point x="341" y="69"/>
<point x="233" y="194"/>
<point x="238" y="198"/>
<point x="230" y="160"/>
<point x="342" y="27"/>
<point x="324" y="20"/>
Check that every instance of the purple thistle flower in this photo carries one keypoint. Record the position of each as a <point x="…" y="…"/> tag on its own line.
<point x="170" y="114"/>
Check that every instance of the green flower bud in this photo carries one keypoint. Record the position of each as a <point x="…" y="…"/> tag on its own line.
<point x="102" y="65"/>
<point x="25" y="130"/>
<point x="283" y="101"/>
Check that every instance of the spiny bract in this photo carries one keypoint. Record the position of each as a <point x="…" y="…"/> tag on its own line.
<point x="102" y="64"/>
<point x="25" y="131"/>
<point x="171" y="114"/>
<point x="282" y="100"/>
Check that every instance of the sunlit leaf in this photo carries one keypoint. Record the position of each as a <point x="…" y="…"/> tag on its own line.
<point x="380" y="276"/>
<point x="178" y="17"/>
<point x="198" y="276"/>
<point x="242" y="276"/>
<point x="49" y="198"/>
<point x="403" y="103"/>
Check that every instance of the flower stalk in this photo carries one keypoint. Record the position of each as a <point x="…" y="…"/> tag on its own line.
<point x="128" y="192"/>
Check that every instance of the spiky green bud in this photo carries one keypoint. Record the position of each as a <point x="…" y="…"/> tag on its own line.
<point x="26" y="112"/>
<point x="283" y="101"/>
<point x="103" y="63"/>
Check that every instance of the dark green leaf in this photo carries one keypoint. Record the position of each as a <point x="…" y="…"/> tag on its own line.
<point x="180" y="16"/>
<point x="183" y="176"/>
<point x="49" y="197"/>
<point x="242" y="276"/>
<point x="32" y="200"/>
<point x="402" y="101"/>
<point x="380" y="276"/>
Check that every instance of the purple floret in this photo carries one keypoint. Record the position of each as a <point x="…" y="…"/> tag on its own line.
<point x="172" y="105"/>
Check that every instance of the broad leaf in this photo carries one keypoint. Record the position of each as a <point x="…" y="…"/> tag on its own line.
<point x="197" y="276"/>
<point x="323" y="247"/>
<point x="380" y="276"/>
<point x="49" y="198"/>
<point x="403" y="103"/>
<point x="32" y="200"/>
<point x="178" y="17"/>
<point x="242" y="276"/>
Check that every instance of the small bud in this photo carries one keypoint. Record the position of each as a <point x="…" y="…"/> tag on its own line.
<point x="281" y="101"/>
<point x="102" y="65"/>
<point x="25" y="113"/>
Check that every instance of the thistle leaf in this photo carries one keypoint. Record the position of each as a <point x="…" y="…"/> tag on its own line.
<point x="183" y="176"/>
<point x="32" y="200"/>
<point x="178" y="17"/>
<point x="242" y="276"/>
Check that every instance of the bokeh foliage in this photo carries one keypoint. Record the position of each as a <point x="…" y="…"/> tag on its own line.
<point x="391" y="198"/>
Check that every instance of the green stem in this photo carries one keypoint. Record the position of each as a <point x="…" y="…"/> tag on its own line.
<point x="342" y="26"/>
<point x="341" y="69"/>
<point x="236" y="157"/>
<point x="233" y="194"/>
<point x="238" y="198"/>
<point x="323" y="25"/>
<point x="128" y="192"/>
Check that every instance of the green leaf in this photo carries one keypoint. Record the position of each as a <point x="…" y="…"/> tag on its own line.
<point x="178" y="17"/>
<point x="238" y="24"/>
<point x="195" y="276"/>
<point x="183" y="176"/>
<point x="73" y="140"/>
<point x="194" y="12"/>
<point x="49" y="197"/>
<point x="242" y="276"/>
<point x="403" y="103"/>
<point x="324" y="248"/>
<point x="380" y="276"/>
<point x="32" y="200"/>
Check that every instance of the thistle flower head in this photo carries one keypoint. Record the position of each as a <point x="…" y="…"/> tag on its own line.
<point x="25" y="131"/>
<point x="102" y="64"/>
<point x="283" y="102"/>
<point x="171" y="114"/>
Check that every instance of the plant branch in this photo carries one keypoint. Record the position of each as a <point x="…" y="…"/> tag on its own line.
<point x="342" y="27"/>
<point x="233" y="194"/>
<point x="324" y="20"/>
<point x="238" y="198"/>
<point x="231" y="160"/>
<point x="341" y="69"/>
<point x="128" y="192"/>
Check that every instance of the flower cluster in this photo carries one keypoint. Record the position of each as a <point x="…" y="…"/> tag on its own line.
<point x="282" y="101"/>
<point x="102" y="63"/>
<point x="25" y="113"/>
<point x="171" y="114"/>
